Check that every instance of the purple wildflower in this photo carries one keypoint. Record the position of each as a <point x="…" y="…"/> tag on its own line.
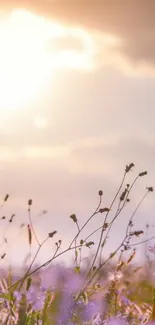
<point x="90" y="310"/>
<point x="125" y="300"/>
<point x="17" y="295"/>
<point x="152" y="249"/>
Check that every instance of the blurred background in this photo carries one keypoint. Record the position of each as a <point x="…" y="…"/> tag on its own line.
<point x="77" y="103"/>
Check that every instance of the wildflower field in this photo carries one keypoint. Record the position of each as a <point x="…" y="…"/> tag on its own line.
<point x="110" y="291"/>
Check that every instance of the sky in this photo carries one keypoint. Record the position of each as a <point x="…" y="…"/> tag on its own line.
<point x="76" y="105"/>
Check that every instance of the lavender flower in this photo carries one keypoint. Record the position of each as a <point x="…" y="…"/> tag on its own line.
<point x="152" y="249"/>
<point x="17" y="295"/>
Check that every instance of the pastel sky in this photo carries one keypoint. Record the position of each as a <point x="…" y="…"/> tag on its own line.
<point x="76" y="105"/>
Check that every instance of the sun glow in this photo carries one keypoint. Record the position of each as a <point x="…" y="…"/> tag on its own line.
<point x="26" y="62"/>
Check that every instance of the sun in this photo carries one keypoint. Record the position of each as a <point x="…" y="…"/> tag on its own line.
<point x="26" y="64"/>
<point x="22" y="60"/>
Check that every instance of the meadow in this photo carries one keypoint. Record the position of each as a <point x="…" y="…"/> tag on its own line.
<point x="110" y="291"/>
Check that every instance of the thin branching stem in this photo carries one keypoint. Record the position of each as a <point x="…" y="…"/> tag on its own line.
<point x="95" y="212"/>
<point x="135" y="211"/>
<point x="119" y="210"/>
<point x="99" y="268"/>
<point x="142" y="242"/>
<point x="78" y="228"/>
<point x="35" y="256"/>
<point x="31" y="224"/>
<point x="44" y="264"/>
<point x="102" y="231"/>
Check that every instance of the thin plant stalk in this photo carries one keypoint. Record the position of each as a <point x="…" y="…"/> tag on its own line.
<point x="44" y="264"/>
<point x="102" y="231"/>
<point x="95" y="212"/>
<point x="35" y="256"/>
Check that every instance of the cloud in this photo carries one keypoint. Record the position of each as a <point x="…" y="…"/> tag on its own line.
<point x="88" y="156"/>
<point x="101" y="157"/>
<point x="67" y="184"/>
<point x="131" y="21"/>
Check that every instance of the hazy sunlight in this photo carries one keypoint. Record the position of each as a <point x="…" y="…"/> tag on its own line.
<point x="26" y="62"/>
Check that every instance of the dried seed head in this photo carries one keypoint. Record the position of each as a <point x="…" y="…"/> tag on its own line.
<point x="29" y="281"/>
<point x="130" y="223"/>
<point x="73" y="217"/>
<point x="29" y="234"/>
<point x="142" y="174"/>
<point x="128" y="167"/>
<point x="22" y="225"/>
<point x="120" y="265"/>
<point x="29" y="202"/>
<point x="138" y="233"/>
<point x="122" y="197"/>
<point x="131" y="256"/>
<point x="90" y="243"/>
<point x="105" y="226"/>
<point x="104" y="210"/>
<point x="11" y="219"/>
<point x="150" y="189"/>
<point x="6" y="197"/>
<point x="51" y="234"/>
<point x="100" y="193"/>
<point x="97" y="286"/>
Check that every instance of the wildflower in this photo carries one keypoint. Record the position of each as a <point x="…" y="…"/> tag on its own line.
<point x="17" y="295"/>
<point x="151" y="249"/>
<point x="39" y="303"/>
<point x="125" y="300"/>
<point x="67" y="308"/>
<point x="6" y="303"/>
<point x="115" y="321"/>
<point x="115" y="276"/>
<point x="90" y="310"/>
<point x="31" y="295"/>
<point x="74" y="282"/>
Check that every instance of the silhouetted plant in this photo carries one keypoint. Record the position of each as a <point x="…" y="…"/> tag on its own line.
<point x="75" y="301"/>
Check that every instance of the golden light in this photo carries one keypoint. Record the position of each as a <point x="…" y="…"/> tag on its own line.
<point x="40" y="122"/>
<point x="21" y="61"/>
<point x="26" y="63"/>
